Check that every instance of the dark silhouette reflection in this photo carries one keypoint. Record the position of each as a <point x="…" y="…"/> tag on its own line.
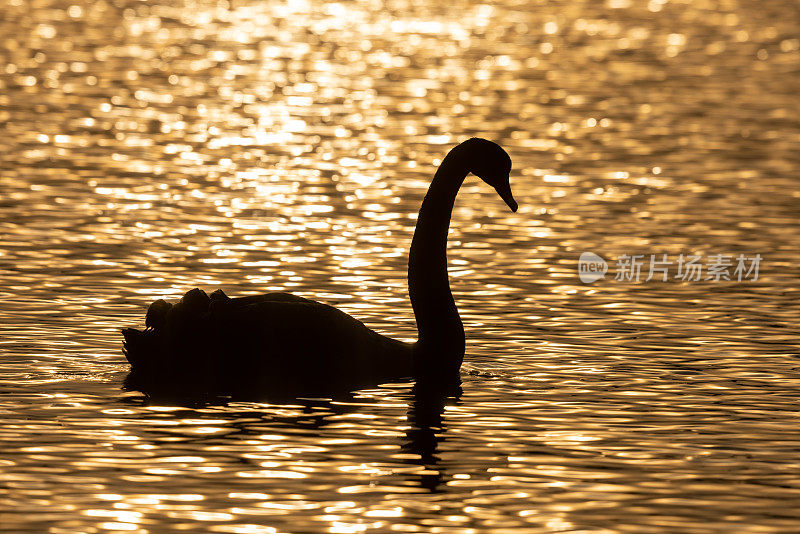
<point x="291" y="346"/>
<point x="314" y="413"/>
<point x="426" y="431"/>
<point x="426" y="428"/>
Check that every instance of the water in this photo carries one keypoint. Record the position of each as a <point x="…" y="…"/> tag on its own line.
<point x="148" y="148"/>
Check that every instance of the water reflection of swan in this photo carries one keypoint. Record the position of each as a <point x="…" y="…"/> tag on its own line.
<point x="285" y="344"/>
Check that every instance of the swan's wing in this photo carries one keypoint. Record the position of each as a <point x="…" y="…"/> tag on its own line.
<point x="282" y="322"/>
<point x="300" y="341"/>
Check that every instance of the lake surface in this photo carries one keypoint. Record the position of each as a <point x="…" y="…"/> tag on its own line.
<point x="147" y="148"/>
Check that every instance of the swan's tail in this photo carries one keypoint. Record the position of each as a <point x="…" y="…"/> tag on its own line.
<point x="139" y="348"/>
<point x="175" y="344"/>
<point x="132" y="347"/>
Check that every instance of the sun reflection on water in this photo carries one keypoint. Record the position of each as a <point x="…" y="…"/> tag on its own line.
<point x="150" y="148"/>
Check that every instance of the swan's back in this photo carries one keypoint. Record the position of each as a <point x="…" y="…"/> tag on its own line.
<point x="276" y="343"/>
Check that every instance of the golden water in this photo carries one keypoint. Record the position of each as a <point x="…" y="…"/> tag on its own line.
<point x="150" y="147"/>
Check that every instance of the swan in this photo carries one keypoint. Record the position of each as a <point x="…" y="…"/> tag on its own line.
<point x="284" y="344"/>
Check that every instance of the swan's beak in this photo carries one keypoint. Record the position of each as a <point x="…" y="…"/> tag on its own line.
<point x="505" y="193"/>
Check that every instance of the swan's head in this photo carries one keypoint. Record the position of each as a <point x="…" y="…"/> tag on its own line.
<point x="489" y="162"/>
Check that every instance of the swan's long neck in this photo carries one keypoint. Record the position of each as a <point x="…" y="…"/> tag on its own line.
<point x="440" y="347"/>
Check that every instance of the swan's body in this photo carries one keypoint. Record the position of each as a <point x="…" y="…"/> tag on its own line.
<point x="282" y="344"/>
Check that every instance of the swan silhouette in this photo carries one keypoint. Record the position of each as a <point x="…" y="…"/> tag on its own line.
<point x="283" y="344"/>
